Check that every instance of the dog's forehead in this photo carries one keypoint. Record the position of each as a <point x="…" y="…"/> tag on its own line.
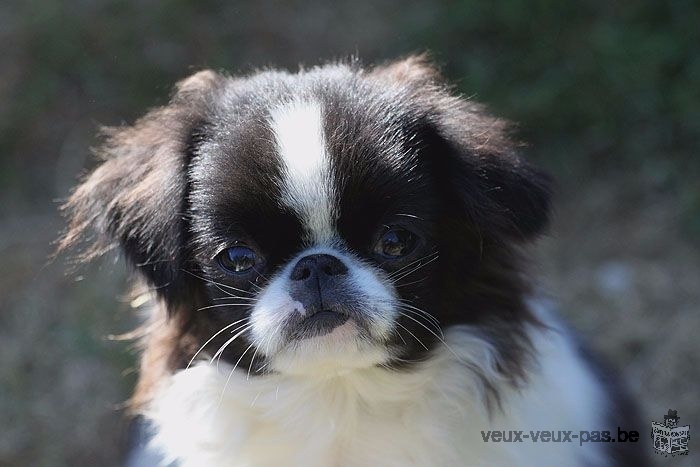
<point x="307" y="183"/>
<point x="339" y="160"/>
<point x="335" y="162"/>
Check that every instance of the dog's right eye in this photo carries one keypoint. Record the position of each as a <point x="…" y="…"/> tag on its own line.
<point x="395" y="243"/>
<point x="239" y="259"/>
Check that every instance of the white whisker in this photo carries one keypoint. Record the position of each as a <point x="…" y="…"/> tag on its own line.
<point x="407" y="306"/>
<point x="414" y="336"/>
<point x="395" y="279"/>
<point x="219" y="284"/>
<point x="212" y="338"/>
<point x="250" y="299"/>
<point x="459" y="358"/>
<point x="232" y="370"/>
<point x="409" y="265"/>
<point x="239" y="331"/>
<point x="422" y="324"/>
<point x="222" y="305"/>
<point x="406" y="284"/>
<point x="252" y="359"/>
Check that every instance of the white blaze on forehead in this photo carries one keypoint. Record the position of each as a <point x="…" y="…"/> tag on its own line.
<point x="307" y="185"/>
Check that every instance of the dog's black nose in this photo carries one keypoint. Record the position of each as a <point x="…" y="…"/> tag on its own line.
<point x="318" y="283"/>
<point x="318" y="267"/>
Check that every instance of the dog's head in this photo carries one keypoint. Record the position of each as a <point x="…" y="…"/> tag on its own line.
<point x="335" y="218"/>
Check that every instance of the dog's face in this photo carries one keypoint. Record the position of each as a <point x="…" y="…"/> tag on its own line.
<point x="336" y="218"/>
<point x="317" y="218"/>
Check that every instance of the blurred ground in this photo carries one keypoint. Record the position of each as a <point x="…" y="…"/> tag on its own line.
<point x="606" y="93"/>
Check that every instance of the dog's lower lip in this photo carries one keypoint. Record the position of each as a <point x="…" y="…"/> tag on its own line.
<point x="320" y="323"/>
<point x="326" y="318"/>
<point x="326" y="314"/>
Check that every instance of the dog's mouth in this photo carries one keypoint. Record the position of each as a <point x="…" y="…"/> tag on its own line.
<point x="317" y="324"/>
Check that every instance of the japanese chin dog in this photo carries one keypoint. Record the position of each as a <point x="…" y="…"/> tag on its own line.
<point x="335" y="259"/>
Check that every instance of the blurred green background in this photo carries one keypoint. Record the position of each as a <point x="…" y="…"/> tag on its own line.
<point x="607" y="93"/>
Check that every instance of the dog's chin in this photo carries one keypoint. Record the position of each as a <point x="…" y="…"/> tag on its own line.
<point x="328" y="344"/>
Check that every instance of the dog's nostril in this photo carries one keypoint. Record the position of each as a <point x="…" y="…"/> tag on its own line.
<point x="320" y="264"/>
<point x="333" y="266"/>
<point x="299" y="274"/>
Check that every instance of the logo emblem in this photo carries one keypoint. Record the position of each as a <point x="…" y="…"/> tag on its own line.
<point x="668" y="437"/>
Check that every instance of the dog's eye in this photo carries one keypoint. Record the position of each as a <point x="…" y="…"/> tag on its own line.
<point x="396" y="243"/>
<point x="236" y="260"/>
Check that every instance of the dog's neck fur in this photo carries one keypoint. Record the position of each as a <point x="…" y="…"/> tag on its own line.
<point x="432" y="415"/>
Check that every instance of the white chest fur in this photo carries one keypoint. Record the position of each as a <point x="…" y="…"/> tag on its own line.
<point x="432" y="415"/>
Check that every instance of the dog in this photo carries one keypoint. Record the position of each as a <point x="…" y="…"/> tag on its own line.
<point x="336" y="260"/>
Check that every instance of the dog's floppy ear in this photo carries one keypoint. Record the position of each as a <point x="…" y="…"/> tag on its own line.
<point x="500" y="192"/>
<point x="413" y="71"/>
<point x="136" y="198"/>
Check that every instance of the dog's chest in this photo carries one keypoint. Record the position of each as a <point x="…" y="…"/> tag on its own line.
<point x="343" y="421"/>
<point x="336" y="426"/>
<point x="431" y="417"/>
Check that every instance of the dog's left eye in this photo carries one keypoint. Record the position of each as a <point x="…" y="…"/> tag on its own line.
<point x="396" y="243"/>
<point x="237" y="260"/>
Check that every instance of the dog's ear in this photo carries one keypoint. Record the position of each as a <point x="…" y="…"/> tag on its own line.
<point x="500" y="192"/>
<point x="413" y="71"/>
<point x="135" y="200"/>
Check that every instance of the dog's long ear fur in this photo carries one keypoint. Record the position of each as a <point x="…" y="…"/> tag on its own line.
<point x="502" y="194"/>
<point x="135" y="199"/>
